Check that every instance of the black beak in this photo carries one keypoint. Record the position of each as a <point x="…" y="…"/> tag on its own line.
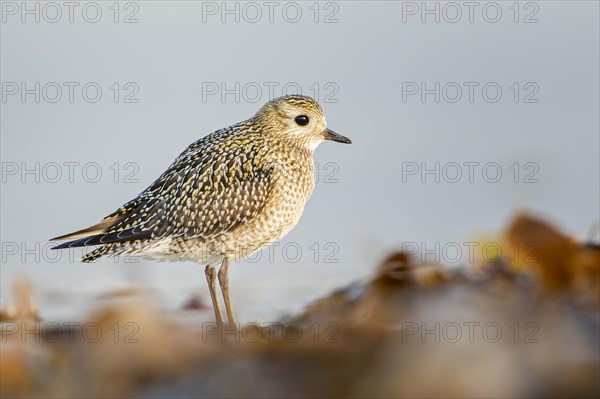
<point x="333" y="136"/>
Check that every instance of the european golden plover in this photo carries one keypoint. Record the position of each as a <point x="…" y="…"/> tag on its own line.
<point x="225" y="197"/>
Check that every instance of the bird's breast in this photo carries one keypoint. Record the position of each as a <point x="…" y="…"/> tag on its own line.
<point x="292" y="183"/>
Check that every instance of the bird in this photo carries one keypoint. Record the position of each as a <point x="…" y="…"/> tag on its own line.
<point x="225" y="197"/>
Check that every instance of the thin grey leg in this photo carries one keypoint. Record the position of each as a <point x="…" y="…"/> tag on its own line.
<point x="224" y="281"/>
<point x="211" y="278"/>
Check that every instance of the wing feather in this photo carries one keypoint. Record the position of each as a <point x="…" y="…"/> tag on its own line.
<point x="203" y="194"/>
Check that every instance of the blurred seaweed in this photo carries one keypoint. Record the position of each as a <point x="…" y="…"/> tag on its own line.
<point x="522" y="324"/>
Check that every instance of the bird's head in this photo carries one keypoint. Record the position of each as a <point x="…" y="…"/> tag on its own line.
<point x="298" y="119"/>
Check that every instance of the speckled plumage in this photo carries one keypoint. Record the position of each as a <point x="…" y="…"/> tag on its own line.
<point x="228" y="194"/>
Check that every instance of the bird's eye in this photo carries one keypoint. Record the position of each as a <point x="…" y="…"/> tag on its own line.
<point x="302" y="120"/>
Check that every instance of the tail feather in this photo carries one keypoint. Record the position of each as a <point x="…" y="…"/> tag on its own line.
<point x="73" y="244"/>
<point x="123" y="236"/>
<point x="113" y="237"/>
<point x="89" y="231"/>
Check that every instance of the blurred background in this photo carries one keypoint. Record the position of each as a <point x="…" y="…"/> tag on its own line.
<point x="459" y="116"/>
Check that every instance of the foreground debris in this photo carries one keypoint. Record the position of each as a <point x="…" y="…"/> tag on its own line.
<point x="523" y="323"/>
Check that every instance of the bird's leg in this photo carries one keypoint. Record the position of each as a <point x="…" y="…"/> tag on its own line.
<point x="211" y="277"/>
<point x="224" y="281"/>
